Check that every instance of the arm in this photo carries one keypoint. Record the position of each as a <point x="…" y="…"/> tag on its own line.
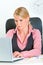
<point x="10" y="33"/>
<point x="36" y="51"/>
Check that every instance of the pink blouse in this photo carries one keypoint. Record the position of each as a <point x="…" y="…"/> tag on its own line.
<point x="36" y="51"/>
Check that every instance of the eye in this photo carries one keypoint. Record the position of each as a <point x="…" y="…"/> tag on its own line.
<point x="21" y="20"/>
<point x="16" y="20"/>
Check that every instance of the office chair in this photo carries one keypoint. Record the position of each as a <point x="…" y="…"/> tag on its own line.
<point x="35" y="21"/>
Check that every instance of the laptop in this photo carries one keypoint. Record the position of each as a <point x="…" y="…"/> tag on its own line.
<point x="6" y="50"/>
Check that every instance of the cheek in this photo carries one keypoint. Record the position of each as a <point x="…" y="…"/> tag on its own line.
<point x="16" y="23"/>
<point x="25" y="23"/>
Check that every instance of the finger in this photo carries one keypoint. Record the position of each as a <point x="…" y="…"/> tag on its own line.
<point x="19" y="55"/>
<point x="16" y="54"/>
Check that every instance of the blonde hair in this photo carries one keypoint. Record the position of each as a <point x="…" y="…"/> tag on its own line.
<point x="21" y="11"/>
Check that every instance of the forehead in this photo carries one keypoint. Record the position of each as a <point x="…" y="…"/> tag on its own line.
<point x="18" y="17"/>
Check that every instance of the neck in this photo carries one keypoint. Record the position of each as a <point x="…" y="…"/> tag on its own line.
<point x="25" y="30"/>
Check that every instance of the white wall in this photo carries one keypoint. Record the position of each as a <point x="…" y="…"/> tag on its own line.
<point x="7" y="7"/>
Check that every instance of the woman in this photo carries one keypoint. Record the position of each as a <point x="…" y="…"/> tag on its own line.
<point x="26" y="41"/>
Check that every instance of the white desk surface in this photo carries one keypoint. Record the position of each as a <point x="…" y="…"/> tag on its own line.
<point x="33" y="60"/>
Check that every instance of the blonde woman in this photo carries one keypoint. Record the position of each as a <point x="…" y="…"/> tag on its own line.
<point x="26" y="41"/>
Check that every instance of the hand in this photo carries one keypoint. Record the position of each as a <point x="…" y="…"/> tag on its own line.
<point x="17" y="54"/>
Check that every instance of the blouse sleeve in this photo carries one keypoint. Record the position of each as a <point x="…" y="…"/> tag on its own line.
<point x="36" y="51"/>
<point x="10" y="33"/>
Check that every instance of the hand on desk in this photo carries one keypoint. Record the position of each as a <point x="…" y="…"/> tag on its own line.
<point x="17" y="54"/>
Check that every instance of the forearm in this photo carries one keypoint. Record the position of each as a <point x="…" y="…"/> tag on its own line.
<point x="31" y="53"/>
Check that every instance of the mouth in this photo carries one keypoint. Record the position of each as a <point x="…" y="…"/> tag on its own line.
<point x="18" y="26"/>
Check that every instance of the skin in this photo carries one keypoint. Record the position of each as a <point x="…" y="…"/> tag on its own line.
<point x="22" y="27"/>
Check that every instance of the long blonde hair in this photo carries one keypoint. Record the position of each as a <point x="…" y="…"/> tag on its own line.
<point x="22" y="11"/>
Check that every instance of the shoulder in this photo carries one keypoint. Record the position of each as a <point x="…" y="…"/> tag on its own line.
<point x="36" y="33"/>
<point x="10" y="33"/>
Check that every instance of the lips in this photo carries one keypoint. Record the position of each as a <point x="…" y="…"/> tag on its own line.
<point x="18" y="26"/>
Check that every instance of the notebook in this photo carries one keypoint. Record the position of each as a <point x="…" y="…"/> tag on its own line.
<point x="6" y="50"/>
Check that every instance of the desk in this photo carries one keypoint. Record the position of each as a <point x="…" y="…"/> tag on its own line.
<point x="36" y="60"/>
<point x="31" y="60"/>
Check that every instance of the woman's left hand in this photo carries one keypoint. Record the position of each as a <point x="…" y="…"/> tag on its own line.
<point x="17" y="54"/>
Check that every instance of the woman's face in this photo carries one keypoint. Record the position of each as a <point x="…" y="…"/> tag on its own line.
<point x="20" y="22"/>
